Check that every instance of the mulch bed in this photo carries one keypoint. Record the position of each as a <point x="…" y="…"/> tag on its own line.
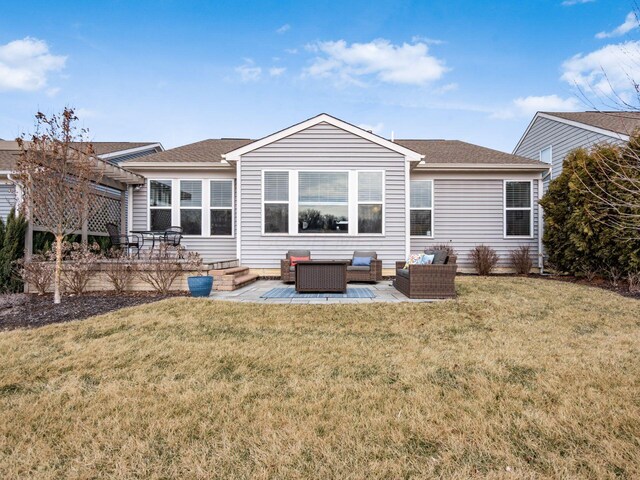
<point x="22" y="310"/>
<point x="621" y="289"/>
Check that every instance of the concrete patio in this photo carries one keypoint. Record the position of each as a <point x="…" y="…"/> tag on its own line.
<point x="384" y="293"/>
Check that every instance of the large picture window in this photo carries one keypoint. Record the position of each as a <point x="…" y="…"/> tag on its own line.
<point x="421" y="208"/>
<point x="159" y="204"/>
<point x="323" y="202"/>
<point x="517" y="211"/>
<point x="370" y="187"/>
<point x="221" y="207"/>
<point x="191" y="207"/>
<point x="276" y="202"/>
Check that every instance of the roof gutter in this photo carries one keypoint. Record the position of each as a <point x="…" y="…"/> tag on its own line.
<point x="119" y="153"/>
<point x="466" y="167"/>
<point x="175" y="165"/>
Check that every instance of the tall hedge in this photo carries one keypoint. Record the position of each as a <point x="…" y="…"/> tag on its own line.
<point x="581" y="234"/>
<point x="12" y="249"/>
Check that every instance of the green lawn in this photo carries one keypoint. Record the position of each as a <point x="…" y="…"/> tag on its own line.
<point x="518" y="378"/>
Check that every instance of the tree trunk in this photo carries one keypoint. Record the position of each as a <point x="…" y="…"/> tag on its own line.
<point x="58" y="273"/>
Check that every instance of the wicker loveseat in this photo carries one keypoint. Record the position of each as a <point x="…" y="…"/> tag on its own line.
<point x="427" y="281"/>
<point x="354" y="273"/>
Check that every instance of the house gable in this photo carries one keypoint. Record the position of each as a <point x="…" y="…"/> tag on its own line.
<point x="325" y="121"/>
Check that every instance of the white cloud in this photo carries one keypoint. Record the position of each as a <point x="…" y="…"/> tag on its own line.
<point x="630" y="23"/>
<point x="527" y="106"/>
<point x="449" y="87"/>
<point x="283" y="29"/>
<point x="409" y="64"/>
<point x="276" y="71"/>
<point x="249" y="71"/>
<point x="612" y="68"/>
<point x="25" y="64"/>
<point x="377" y="128"/>
<point x="570" y="3"/>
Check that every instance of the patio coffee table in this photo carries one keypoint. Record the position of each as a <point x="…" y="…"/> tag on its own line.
<point x="321" y="276"/>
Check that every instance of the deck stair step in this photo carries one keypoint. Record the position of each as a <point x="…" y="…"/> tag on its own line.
<point x="228" y="279"/>
<point x="229" y="271"/>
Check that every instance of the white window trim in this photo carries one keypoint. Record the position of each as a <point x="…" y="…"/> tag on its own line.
<point x="277" y="202"/>
<point x="382" y="202"/>
<point x="433" y="183"/>
<point x="351" y="205"/>
<point x="550" y="148"/>
<point x="505" y="209"/>
<point x="149" y="207"/>
<point x="180" y="207"/>
<point x="176" y="207"/>
<point x="294" y="204"/>
<point x="232" y="207"/>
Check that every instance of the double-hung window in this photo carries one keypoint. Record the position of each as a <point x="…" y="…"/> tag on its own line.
<point x="159" y="204"/>
<point x="421" y="208"/>
<point x="221" y="207"/>
<point x="517" y="211"/>
<point x="276" y="202"/>
<point x="191" y="207"/>
<point x="370" y="201"/>
<point x="323" y="202"/>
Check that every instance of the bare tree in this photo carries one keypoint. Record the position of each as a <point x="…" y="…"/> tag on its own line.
<point x="58" y="174"/>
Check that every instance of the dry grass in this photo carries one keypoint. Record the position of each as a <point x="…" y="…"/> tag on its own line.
<point x="519" y="378"/>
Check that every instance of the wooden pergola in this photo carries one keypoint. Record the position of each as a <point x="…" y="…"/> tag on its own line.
<point x="115" y="186"/>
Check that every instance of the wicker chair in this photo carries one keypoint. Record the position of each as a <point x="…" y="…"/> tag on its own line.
<point x="365" y="274"/>
<point x="287" y="272"/>
<point x="427" y="281"/>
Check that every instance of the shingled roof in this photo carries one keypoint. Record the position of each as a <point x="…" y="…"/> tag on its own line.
<point x="210" y="150"/>
<point x="625" y="123"/>
<point x="435" y="151"/>
<point x="9" y="150"/>
<point x="457" y="152"/>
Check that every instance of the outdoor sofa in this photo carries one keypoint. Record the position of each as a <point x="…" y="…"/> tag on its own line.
<point x="436" y="280"/>
<point x="372" y="273"/>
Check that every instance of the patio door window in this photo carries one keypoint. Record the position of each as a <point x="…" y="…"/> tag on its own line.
<point x="191" y="207"/>
<point x="160" y="204"/>
<point x="421" y="208"/>
<point x="370" y="187"/>
<point x="323" y="202"/>
<point x="275" y="198"/>
<point x="221" y="207"/>
<point x="517" y="211"/>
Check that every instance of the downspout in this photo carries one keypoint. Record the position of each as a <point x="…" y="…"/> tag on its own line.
<point x="540" y="229"/>
<point x="238" y="205"/>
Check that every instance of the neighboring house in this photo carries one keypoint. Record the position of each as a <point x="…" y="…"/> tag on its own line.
<point x="552" y="135"/>
<point x="331" y="187"/>
<point x="112" y="152"/>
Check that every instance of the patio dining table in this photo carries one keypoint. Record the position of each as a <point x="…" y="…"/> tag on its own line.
<point x="150" y="235"/>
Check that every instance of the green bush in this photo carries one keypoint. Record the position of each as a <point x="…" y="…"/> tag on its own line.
<point x="11" y="251"/>
<point x="581" y="233"/>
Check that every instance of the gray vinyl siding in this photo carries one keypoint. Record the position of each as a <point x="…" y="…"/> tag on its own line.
<point x="7" y="200"/>
<point x="561" y="137"/>
<point x="321" y="147"/>
<point x="210" y="248"/>
<point x="468" y="212"/>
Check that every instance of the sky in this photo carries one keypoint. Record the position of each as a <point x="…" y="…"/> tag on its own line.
<point x="183" y="71"/>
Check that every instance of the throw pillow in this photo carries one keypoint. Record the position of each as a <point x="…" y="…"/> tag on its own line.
<point x="427" y="259"/>
<point x="361" y="261"/>
<point x="295" y="260"/>
<point x="440" y="256"/>
<point x="414" y="259"/>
